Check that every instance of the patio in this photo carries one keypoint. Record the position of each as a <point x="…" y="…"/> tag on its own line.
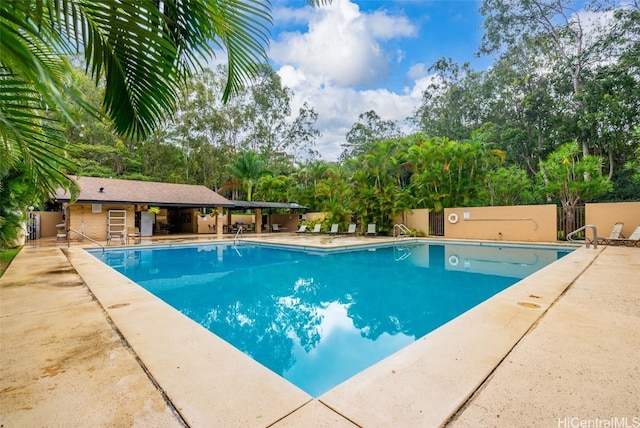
<point x="81" y="346"/>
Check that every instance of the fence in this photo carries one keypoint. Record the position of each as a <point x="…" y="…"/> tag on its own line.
<point x="570" y="220"/>
<point x="436" y="223"/>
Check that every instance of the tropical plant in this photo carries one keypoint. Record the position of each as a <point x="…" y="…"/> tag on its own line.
<point x="571" y="179"/>
<point x="272" y="188"/>
<point x="16" y="194"/>
<point x="247" y="167"/>
<point x="509" y="185"/>
<point x="333" y="195"/>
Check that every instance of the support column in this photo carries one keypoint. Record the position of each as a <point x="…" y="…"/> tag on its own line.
<point x="258" y="220"/>
<point x="219" y="218"/>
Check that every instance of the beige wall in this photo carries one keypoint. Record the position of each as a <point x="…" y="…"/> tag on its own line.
<point x="517" y="223"/>
<point x="48" y="221"/>
<point x="415" y="219"/>
<point x="94" y="225"/>
<point x="288" y="221"/>
<point x="605" y="215"/>
<point x="205" y="222"/>
<point x="315" y="216"/>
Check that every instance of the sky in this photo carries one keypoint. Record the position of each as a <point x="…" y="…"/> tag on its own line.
<point x="353" y="56"/>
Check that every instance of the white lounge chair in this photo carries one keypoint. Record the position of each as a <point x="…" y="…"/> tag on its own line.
<point x="632" y="240"/>
<point x="371" y="229"/>
<point x="303" y="228"/>
<point x="615" y="234"/>
<point x="334" y="229"/>
<point x="352" y="229"/>
<point x="316" y="228"/>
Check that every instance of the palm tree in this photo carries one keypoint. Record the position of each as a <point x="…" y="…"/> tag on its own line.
<point x="142" y="50"/>
<point x="247" y="167"/>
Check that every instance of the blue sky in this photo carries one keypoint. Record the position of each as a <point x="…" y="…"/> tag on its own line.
<point x="353" y="56"/>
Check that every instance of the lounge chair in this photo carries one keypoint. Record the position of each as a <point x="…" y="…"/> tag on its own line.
<point x="615" y="234"/>
<point x="371" y="229"/>
<point x="275" y="227"/>
<point x="303" y="228"/>
<point x="133" y="233"/>
<point x="115" y="235"/>
<point x="632" y="240"/>
<point x="316" y="228"/>
<point x="334" y="229"/>
<point x="352" y="229"/>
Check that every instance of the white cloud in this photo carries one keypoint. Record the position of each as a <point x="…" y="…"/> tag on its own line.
<point x="342" y="44"/>
<point x="343" y="49"/>
<point x="338" y="107"/>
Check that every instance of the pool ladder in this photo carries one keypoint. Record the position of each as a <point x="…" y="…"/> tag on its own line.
<point x="585" y="240"/>
<point x="403" y="231"/>
<point x="238" y="233"/>
<point x="401" y="253"/>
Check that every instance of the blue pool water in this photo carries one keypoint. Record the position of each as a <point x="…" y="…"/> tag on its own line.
<point x="319" y="317"/>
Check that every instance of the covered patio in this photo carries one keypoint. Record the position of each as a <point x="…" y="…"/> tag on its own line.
<point x="264" y="217"/>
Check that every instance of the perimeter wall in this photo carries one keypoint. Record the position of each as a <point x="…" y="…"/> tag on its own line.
<point x="513" y="223"/>
<point x="604" y="215"/>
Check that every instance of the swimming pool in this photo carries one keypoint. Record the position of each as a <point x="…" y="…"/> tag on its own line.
<point x="318" y="317"/>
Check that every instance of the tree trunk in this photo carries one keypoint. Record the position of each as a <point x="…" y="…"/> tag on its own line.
<point x="610" y="163"/>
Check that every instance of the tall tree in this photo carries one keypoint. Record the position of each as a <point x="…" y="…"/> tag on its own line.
<point x="369" y="128"/>
<point x="555" y="27"/>
<point x="269" y="129"/>
<point x="452" y="105"/>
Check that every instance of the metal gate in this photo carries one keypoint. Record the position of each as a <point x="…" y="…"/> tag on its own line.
<point x="33" y="226"/>
<point x="570" y="220"/>
<point x="436" y="223"/>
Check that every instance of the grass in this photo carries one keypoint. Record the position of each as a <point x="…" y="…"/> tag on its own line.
<point x="6" y="256"/>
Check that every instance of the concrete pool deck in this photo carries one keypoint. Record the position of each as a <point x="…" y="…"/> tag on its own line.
<point x="83" y="346"/>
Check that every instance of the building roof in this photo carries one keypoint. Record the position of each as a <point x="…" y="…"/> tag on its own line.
<point x="262" y="204"/>
<point x="109" y="190"/>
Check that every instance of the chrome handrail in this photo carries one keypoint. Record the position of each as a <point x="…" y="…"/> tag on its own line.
<point x="239" y="232"/>
<point x="586" y="241"/>
<point x="402" y="230"/>
<point x="84" y="236"/>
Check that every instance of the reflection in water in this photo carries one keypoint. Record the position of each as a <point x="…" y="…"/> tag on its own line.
<point x="314" y="319"/>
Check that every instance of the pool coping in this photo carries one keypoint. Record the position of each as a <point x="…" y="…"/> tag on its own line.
<point x="413" y="387"/>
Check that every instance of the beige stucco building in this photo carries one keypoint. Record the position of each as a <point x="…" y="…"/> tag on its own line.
<point x="106" y="206"/>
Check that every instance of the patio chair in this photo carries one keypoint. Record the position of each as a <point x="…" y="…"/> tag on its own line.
<point x="303" y="228"/>
<point x="117" y="235"/>
<point x="615" y="234"/>
<point x="352" y="229"/>
<point x="371" y="229"/>
<point x="316" y="228"/>
<point x="632" y="240"/>
<point x="275" y="227"/>
<point x="133" y="233"/>
<point x="334" y="229"/>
